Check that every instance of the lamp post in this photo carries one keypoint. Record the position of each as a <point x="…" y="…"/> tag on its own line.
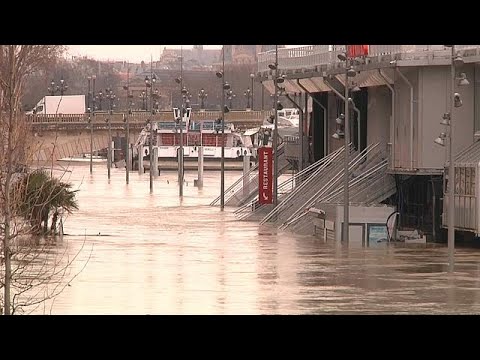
<point x="143" y="96"/>
<point x="451" y="172"/>
<point x="63" y="86"/>
<point x="99" y="97"/>
<point x="276" y="80"/>
<point x="91" y="116"/>
<point x="224" y="87"/>
<point x="111" y="99"/>
<point x="248" y="95"/>
<point x="147" y="85"/>
<point x="52" y="89"/>
<point x="272" y="96"/>
<point x="349" y="72"/>
<point x="252" y="76"/>
<point x="127" y="129"/>
<point x="150" y="83"/>
<point x="182" y="112"/>
<point x="202" y="95"/>
<point x="230" y="96"/>
<point x="455" y="101"/>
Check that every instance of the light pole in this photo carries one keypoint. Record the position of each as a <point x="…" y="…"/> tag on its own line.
<point x="349" y="72"/>
<point x="128" y="104"/>
<point x="455" y="101"/>
<point x="252" y="76"/>
<point x="276" y="80"/>
<point x="99" y="97"/>
<point x="202" y="95"/>
<point x="248" y="95"/>
<point x="230" y="96"/>
<point x="147" y="85"/>
<point x="183" y="92"/>
<point x="52" y="89"/>
<point x="143" y="96"/>
<point x="63" y="86"/>
<point x="91" y="117"/>
<point x="150" y="84"/>
<point x="111" y="98"/>
<point x="224" y="87"/>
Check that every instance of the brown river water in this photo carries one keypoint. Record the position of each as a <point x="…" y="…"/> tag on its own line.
<point x="142" y="253"/>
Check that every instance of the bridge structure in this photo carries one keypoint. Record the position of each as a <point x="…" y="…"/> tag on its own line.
<point x="67" y="135"/>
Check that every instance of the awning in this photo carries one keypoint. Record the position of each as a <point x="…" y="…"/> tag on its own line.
<point x="249" y="132"/>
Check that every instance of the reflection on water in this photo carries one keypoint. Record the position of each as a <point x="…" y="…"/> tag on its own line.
<point x="158" y="254"/>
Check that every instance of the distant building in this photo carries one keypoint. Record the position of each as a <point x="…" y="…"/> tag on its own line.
<point x="245" y="54"/>
<point x="197" y="57"/>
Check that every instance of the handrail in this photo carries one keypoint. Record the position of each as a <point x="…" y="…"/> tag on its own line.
<point x="238" y="184"/>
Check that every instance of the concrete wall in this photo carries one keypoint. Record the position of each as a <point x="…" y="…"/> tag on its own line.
<point x="71" y="143"/>
<point x="402" y="117"/>
<point x="435" y="91"/>
<point x="430" y="101"/>
<point x="378" y="115"/>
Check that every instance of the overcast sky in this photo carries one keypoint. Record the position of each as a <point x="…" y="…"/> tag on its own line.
<point x="133" y="53"/>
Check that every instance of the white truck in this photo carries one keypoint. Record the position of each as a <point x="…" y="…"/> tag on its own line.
<point x="65" y="104"/>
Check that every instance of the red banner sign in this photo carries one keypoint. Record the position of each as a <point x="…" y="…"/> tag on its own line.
<point x="265" y="165"/>
<point x="354" y="51"/>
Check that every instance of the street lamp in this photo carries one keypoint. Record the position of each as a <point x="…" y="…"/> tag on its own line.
<point x="272" y="96"/>
<point x="252" y="76"/>
<point x="62" y="88"/>
<point x="143" y="96"/>
<point x="349" y="72"/>
<point x="100" y="97"/>
<point x="155" y="100"/>
<point x="202" y="95"/>
<point x="276" y="80"/>
<point x="52" y="89"/>
<point x="128" y="104"/>
<point x="111" y="99"/>
<point x="147" y="85"/>
<point x="339" y="133"/>
<point x="447" y="120"/>
<point x="91" y="116"/>
<point x="225" y="86"/>
<point x="230" y="96"/>
<point x="248" y="95"/>
<point x="183" y="92"/>
<point x="151" y="84"/>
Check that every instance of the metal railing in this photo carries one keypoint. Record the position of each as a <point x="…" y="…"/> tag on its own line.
<point x="251" y="183"/>
<point x="310" y="56"/>
<point x="285" y="189"/>
<point x="142" y="117"/>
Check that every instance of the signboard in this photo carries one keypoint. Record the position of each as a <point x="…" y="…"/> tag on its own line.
<point x="265" y="164"/>
<point x="354" y="51"/>
<point x="377" y="233"/>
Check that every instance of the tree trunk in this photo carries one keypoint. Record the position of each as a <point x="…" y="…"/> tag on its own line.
<point x="53" y="228"/>
<point x="45" y="221"/>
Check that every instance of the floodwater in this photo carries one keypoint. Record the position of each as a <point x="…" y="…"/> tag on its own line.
<point x="142" y="253"/>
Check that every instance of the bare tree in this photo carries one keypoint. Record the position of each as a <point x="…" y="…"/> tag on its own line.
<point x="31" y="268"/>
